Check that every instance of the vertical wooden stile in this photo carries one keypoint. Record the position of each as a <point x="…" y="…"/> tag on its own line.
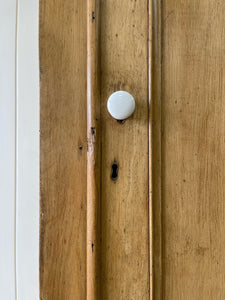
<point x="125" y="202"/>
<point x="93" y="154"/>
<point x="63" y="138"/>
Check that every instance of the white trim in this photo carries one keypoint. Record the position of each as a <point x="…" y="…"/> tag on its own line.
<point x="19" y="150"/>
<point x="27" y="212"/>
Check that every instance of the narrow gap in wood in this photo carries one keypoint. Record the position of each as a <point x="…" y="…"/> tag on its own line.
<point x="156" y="157"/>
<point x="149" y="88"/>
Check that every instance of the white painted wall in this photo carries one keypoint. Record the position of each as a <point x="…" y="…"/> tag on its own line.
<point x="27" y="208"/>
<point x="19" y="150"/>
<point x="7" y="148"/>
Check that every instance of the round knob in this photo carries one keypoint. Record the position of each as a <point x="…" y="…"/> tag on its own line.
<point x="121" y="105"/>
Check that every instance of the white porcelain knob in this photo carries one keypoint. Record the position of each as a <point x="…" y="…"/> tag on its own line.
<point x="121" y="105"/>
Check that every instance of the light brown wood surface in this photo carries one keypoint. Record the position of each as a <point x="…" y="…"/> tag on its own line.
<point x="167" y="203"/>
<point x="125" y="205"/>
<point x="63" y="138"/>
<point x="193" y="149"/>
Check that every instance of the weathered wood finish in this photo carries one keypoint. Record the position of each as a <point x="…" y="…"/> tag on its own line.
<point x="63" y="150"/>
<point x="125" y="235"/>
<point x="94" y="151"/>
<point x="125" y="243"/>
<point x="185" y="195"/>
<point x="193" y="149"/>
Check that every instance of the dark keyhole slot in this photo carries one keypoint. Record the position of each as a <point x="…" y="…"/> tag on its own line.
<point x="114" y="171"/>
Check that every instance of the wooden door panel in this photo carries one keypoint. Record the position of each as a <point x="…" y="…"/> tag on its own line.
<point x="63" y="149"/>
<point x="124" y="66"/>
<point x="193" y="145"/>
<point x="124" y="203"/>
<point x="162" y="220"/>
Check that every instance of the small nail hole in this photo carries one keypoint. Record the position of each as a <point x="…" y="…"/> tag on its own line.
<point x="93" y="130"/>
<point x="93" y="16"/>
<point x="115" y="168"/>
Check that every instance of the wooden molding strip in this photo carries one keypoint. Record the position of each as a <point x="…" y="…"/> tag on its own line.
<point x="93" y="153"/>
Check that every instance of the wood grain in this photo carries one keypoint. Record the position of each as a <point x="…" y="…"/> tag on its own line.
<point x="63" y="149"/>
<point x="125" y="235"/>
<point x="94" y="151"/>
<point x="193" y="147"/>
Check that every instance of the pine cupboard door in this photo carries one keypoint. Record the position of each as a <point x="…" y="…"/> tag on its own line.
<point x="154" y="229"/>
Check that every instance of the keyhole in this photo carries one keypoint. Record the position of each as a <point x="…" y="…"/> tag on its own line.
<point x="115" y="168"/>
